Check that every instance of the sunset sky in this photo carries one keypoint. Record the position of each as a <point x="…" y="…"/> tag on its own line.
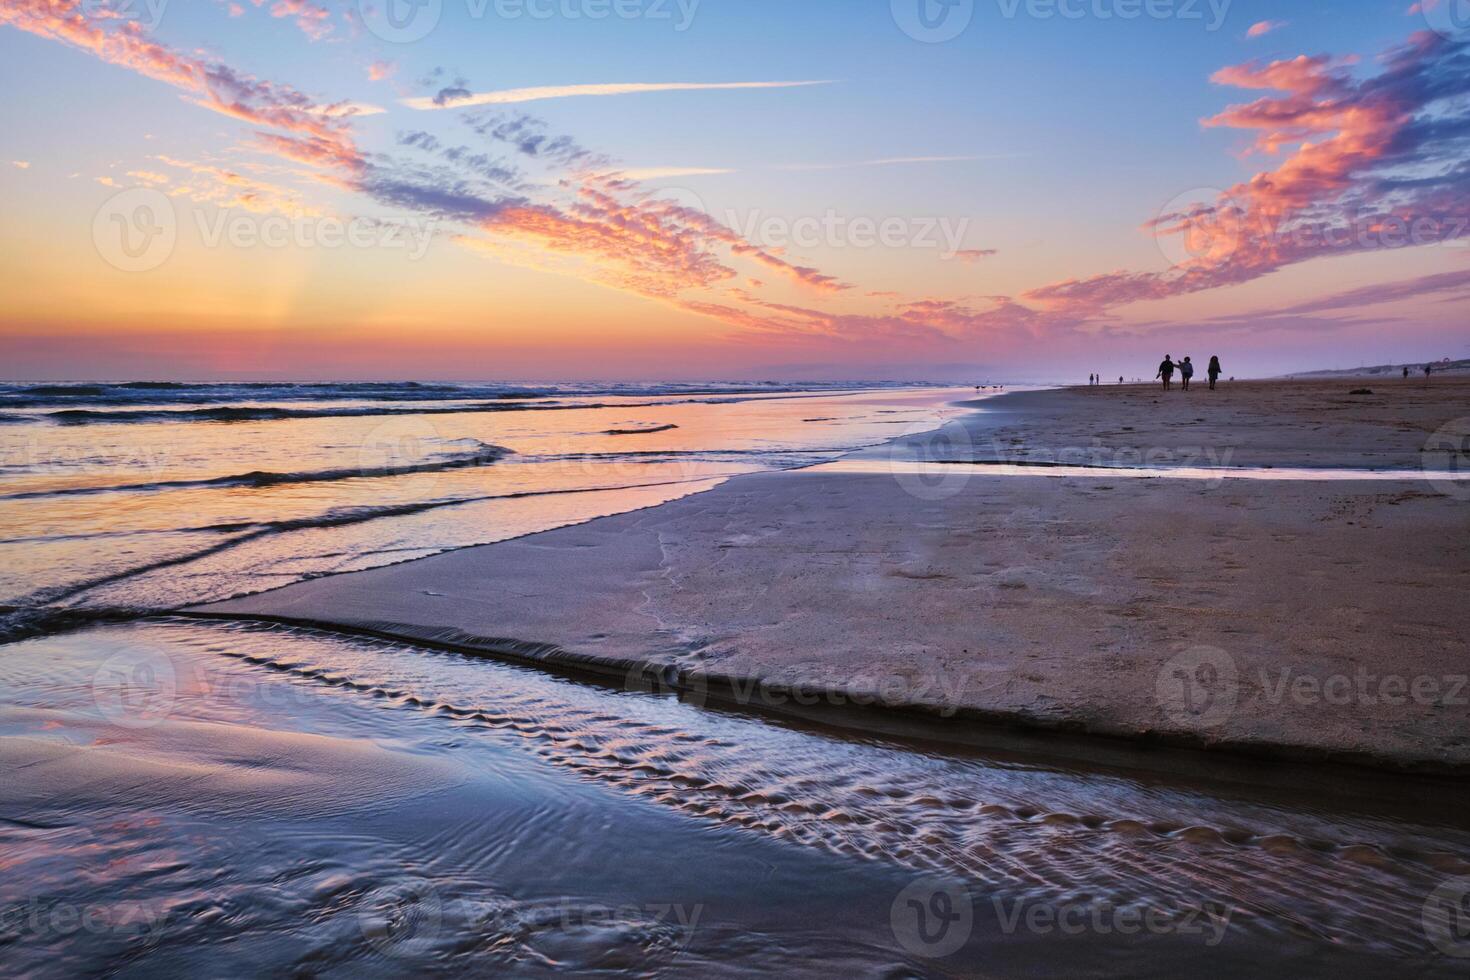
<point x="723" y="189"/>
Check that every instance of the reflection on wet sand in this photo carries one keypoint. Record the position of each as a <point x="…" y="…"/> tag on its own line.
<point x="292" y="800"/>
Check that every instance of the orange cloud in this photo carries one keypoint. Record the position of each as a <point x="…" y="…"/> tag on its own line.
<point x="1370" y="155"/>
<point x="1263" y="27"/>
<point x="210" y="84"/>
<point x="231" y="189"/>
<point x="314" y="21"/>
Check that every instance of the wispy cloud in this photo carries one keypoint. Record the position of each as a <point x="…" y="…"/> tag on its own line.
<point x="658" y="173"/>
<point x="210" y="84"/>
<point x="1263" y="27"/>
<point x="1356" y="150"/>
<point x="461" y="99"/>
<point x="228" y="188"/>
<point x="314" y="21"/>
<point x="1364" y="157"/>
<point x="1457" y="284"/>
<point x="340" y="109"/>
<point x="896" y="162"/>
<point x="22" y="164"/>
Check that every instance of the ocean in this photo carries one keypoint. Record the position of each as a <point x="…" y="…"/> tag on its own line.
<point x="146" y="496"/>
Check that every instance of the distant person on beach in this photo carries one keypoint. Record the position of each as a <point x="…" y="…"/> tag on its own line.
<point x="1120" y="379"/>
<point x="1166" y="371"/>
<point x="1186" y="371"/>
<point x="1406" y="372"/>
<point x="1091" y="380"/>
<point x="1428" y="370"/>
<point x="1214" y="370"/>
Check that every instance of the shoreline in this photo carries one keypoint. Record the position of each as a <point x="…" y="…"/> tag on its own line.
<point x="673" y="640"/>
<point x="857" y="714"/>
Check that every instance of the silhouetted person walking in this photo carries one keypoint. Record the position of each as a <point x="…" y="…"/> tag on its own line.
<point x="1186" y="371"/>
<point x="1166" y="371"/>
<point x="1428" y="370"/>
<point x="1406" y="372"/>
<point x="1214" y="371"/>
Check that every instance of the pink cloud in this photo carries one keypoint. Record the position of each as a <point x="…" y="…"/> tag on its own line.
<point x="1356" y="152"/>
<point x="1359" y="154"/>
<point x="228" y="188"/>
<point x="1368" y="161"/>
<point x="212" y="85"/>
<point x="314" y="21"/>
<point x="1264" y="27"/>
<point x="651" y="246"/>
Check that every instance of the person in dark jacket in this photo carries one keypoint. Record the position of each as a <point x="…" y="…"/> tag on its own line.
<point x="1166" y="371"/>
<point x="1214" y="371"/>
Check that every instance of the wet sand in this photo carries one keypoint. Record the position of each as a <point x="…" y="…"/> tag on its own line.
<point x="219" y="799"/>
<point x="1317" y="620"/>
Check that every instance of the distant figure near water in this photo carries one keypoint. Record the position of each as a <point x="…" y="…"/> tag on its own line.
<point x="1428" y="370"/>
<point x="1214" y="370"/>
<point x="1406" y="372"/>
<point x="1186" y="371"/>
<point x="1166" y="371"/>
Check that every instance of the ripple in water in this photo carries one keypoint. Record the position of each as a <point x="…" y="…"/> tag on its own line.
<point x="1019" y="832"/>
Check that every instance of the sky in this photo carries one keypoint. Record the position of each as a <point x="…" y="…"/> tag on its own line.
<point x="946" y="190"/>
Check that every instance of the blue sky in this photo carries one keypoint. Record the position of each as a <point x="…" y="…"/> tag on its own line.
<point x="1046" y="140"/>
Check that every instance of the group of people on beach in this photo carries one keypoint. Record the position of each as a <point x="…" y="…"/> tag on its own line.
<point x="1167" y="369"/>
<point x="1186" y="372"/>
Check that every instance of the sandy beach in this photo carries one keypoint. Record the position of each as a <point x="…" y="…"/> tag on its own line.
<point x="1279" y="617"/>
<point x="636" y="490"/>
